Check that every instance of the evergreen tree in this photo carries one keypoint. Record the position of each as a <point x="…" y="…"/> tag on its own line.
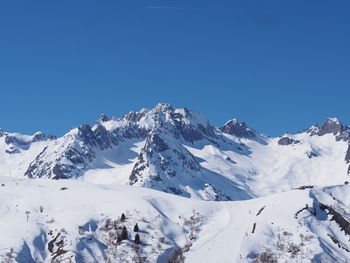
<point x="119" y="239"/>
<point x="137" y="239"/>
<point x="136" y="228"/>
<point x="122" y="218"/>
<point x="124" y="233"/>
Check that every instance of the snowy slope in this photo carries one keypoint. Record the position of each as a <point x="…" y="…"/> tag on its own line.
<point x="17" y="151"/>
<point x="279" y="227"/>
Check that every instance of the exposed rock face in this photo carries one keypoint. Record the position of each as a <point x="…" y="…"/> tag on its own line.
<point x="169" y="149"/>
<point x="337" y="128"/>
<point x="332" y="125"/>
<point x="98" y="138"/>
<point x="17" y="142"/>
<point x="11" y="150"/>
<point x="104" y="118"/>
<point x="184" y="124"/>
<point x="347" y="156"/>
<point x="64" y="159"/>
<point x="70" y="155"/>
<point x="313" y="130"/>
<point x="337" y="217"/>
<point x="287" y="141"/>
<point x="190" y="126"/>
<point x="158" y="164"/>
<point x="165" y="164"/>
<point x="21" y="141"/>
<point x="160" y="145"/>
<point x="311" y="154"/>
<point x="239" y="129"/>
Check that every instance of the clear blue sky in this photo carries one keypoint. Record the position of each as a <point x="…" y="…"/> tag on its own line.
<point x="278" y="65"/>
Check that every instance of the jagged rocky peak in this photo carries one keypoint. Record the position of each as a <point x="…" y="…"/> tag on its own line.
<point x="20" y="139"/>
<point x="86" y="133"/>
<point x="16" y="142"/>
<point x="163" y="162"/>
<point x="66" y="158"/>
<point x="38" y="136"/>
<point x="104" y="117"/>
<point x="97" y="136"/>
<point x="179" y="117"/>
<point x="164" y="107"/>
<point x="239" y="129"/>
<point x="313" y="130"/>
<point x="135" y="116"/>
<point x="189" y="125"/>
<point x="331" y="125"/>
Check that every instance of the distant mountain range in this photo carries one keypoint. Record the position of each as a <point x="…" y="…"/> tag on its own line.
<point x="178" y="151"/>
<point x="138" y="189"/>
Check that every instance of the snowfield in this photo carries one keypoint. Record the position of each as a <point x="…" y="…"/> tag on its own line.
<point x="34" y="212"/>
<point x="163" y="185"/>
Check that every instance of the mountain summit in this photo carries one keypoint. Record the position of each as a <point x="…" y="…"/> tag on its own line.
<point x="178" y="151"/>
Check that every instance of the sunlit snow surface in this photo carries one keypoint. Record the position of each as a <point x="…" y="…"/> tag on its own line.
<point x="223" y="232"/>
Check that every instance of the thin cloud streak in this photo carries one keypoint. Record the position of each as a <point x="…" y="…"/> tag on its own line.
<point x="168" y="7"/>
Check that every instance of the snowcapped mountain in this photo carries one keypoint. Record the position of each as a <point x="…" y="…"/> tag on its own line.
<point x="178" y="151"/>
<point x="160" y="167"/>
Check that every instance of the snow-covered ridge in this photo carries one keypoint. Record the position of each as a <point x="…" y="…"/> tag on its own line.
<point x="178" y="151"/>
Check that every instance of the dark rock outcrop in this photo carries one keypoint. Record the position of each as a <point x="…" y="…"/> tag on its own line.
<point x="239" y="129"/>
<point x="70" y="155"/>
<point x="347" y="155"/>
<point x="338" y="218"/>
<point x="61" y="161"/>
<point x="331" y="125"/>
<point x="311" y="154"/>
<point x="287" y="141"/>
<point x="12" y="150"/>
<point x="159" y="144"/>
<point x="104" y="118"/>
<point x="164" y="161"/>
<point x="103" y="138"/>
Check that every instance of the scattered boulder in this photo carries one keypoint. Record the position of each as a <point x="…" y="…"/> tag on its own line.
<point x="311" y="154"/>
<point x="287" y="141"/>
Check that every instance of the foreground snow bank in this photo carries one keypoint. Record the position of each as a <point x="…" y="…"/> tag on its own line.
<point x="72" y="221"/>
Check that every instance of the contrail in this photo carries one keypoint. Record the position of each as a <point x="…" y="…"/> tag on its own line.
<point x="167" y="7"/>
